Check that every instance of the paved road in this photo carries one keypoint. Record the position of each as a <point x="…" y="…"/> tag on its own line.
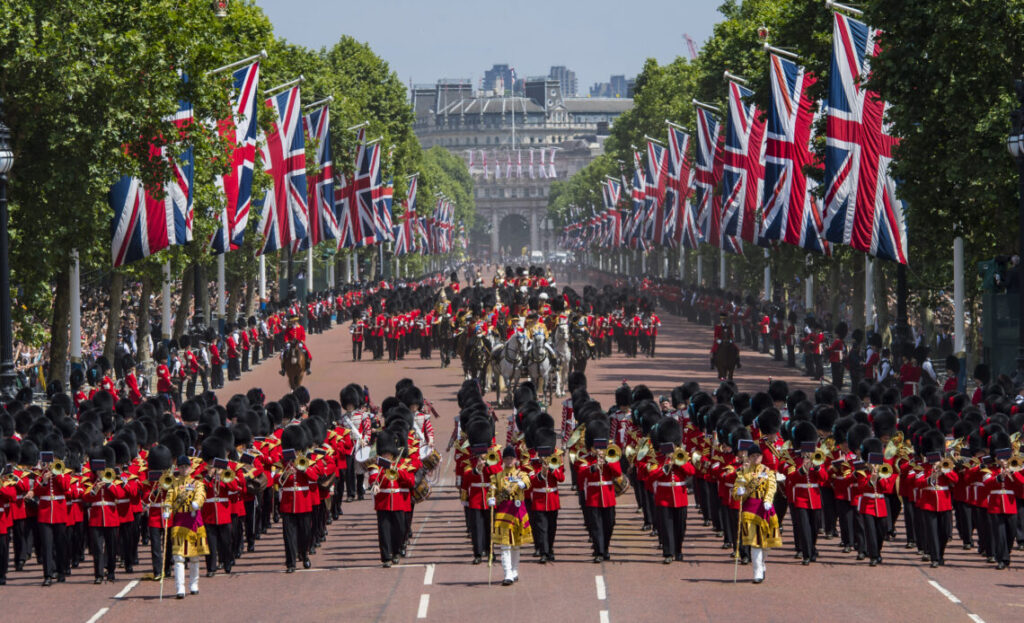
<point x="437" y="581"/>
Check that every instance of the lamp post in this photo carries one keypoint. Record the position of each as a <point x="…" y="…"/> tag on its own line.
<point x="7" y="377"/>
<point x="1015" y="143"/>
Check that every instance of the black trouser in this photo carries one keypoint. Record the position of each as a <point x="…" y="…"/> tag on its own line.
<point x="730" y="523"/>
<point x="190" y="386"/>
<point x="245" y="360"/>
<point x="103" y="548"/>
<point x="837" y="374"/>
<point x="602" y="524"/>
<point x="805" y="533"/>
<point x="296" y="528"/>
<point x="22" y="537"/>
<point x="218" y="536"/>
<point x="1002" y="528"/>
<point x="984" y="530"/>
<point x="249" y="523"/>
<point x="391" y="528"/>
<point x="545" y="524"/>
<point x="936" y="529"/>
<point x="5" y="554"/>
<point x="964" y="522"/>
<point x="236" y="536"/>
<point x="233" y="371"/>
<point x="51" y="546"/>
<point x="781" y="505"/>
<point x="894" y="505"/>
<point x="671" y="529"/>
<point x="1020" y="522"/>
<point x="790" y="356"/>
<point x="354" y="481"/>
<point x="216" y="376"/>
<point x="873" y="529"/>
<point x="128" y="534"/>
<point x="254" y="351"/>
<point x="714" y="506"/>
<point x="357" y="351"/>
<point x="909" y="524"/>
<point x="828" y="510"/>
<point x="480" y="531"/>
<point x="778" y="349"/>
<point x="156" y="551"/>
<point x="847" y="518"/>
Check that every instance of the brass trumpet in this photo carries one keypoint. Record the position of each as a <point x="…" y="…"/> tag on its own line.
<point x="167" y="481"/>
<point x="57" y="468"/>
<point x="553" y="462"/>
<point x="947" y="465"/>
<point x="818" y="458"/>
<point x="302" y="462"/>
<point x="884" y="470"/>
<point x="680" y="457"/>
<point x="1015" y="463"/>
<point x="613" y="453"/>
<point x="108" y="476"/>
<point x="492" y="457"/>
<point x="227" y="476"/>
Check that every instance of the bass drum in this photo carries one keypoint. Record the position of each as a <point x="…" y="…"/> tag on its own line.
<point x="421" y="490"/>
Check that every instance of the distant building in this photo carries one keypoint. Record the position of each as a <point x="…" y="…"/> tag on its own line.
<point x="497" y="79"/>
<point x="511" y="187"/>
<point x="617" y="86"/>
<point x="566" y="78"/>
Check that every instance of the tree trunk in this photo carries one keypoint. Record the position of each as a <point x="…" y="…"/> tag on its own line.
<point x="835" y="285"/>
<point x="857" y="306"/>
<point x="881" y="297"/>
<point x="143" y="328"/>
<point x="234" y="289"/>
<point x="251" y="285"/>
<point x="59" y="335"/>
<point x="114" y="315"/>
<point x="205" y="304"/>
<point x="187" y="294"/>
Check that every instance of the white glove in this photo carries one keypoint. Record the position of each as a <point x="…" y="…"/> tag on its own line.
<point x="740" y="490"/>
<point x="166" y="514"/>
<point x="767" y="505"/>
<point x="195" y="506"/>
<point x="491" y="501"/>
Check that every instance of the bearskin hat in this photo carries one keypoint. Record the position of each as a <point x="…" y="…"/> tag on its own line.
<point x="667" y="430"/>
<point x="769" y="421"/>
<point x="804" y="432"/>
<point x="351" y="396"/>
<point x="410" y="396"/>
<point x="883" y="422"/>
<point x="597" y="428"/>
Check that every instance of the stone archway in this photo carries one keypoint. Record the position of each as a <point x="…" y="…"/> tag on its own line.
<point x="514" y="234"/>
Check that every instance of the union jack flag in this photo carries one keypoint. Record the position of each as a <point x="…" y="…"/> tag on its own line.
<point x="657" y="178"/>
<point x="677" y="192"/>
<point x="405" y="241"/>
<point x="284" y="211"/>
<point x="383" y="213"/>
<point x="743" y="171"/>
<point x="144" y="224"/>
<point x="343" y="208"/>
<point x="365" y="193"/>
<point x="861" y="206"/>
<point x="323" y="221"/>
<point x="242" y="129"/>
<point x="790" y="210"/>
<point x="708" y="173"/>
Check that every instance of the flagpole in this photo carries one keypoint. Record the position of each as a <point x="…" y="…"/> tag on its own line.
<point x="165" y="303"/>
<point x="76" y="311"/>
<point x="721" y="268"/>
<point x="286" y="85"/>
<point x="869" y="294"/>
<point x="835" y="6"/>
<point x="220" y="293"/>
<point x="309" y="271"/>
<point x="263" y="278"/>
<point x="262" y="54"/>
<point x="700" y="269"/>
<point x="326" y="100"/>
<point x="767" y="277"/>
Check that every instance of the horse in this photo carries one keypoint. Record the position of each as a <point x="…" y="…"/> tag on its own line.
<point x="538" y="365"/>
<point x="509" y="360"/>
<point x="579" y="344"/>
<point x="476" y="358"/>
<point x="294" y="364"/>
<point x="444" y="340"/>
<point x="564" y="353"/>
<point x="725" y="359"/>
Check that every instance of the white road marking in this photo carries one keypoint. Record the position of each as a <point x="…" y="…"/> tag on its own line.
<point x="428" y="577"/>
<point x="126" y="589"/>
<point x="602" y="594"/>
<point x="976" y="618"/>
<point x="424" y="603"/>
<point x="950" y="596"/>
<point x="98" y="615"/>
<point x="604" y="616"/>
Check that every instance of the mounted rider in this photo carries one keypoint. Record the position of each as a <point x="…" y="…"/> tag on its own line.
<point x="296" y="333"/>
<point x="723" y="335"/>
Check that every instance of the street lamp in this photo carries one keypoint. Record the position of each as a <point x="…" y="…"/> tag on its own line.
<point x="1015" y="144"/>
<point x="7" y="377"/>
<point x="220" y="8"/>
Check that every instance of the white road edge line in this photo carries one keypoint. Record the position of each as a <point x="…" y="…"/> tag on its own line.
<point x="976" y="618"/>
<point x="950" y="596"/>
<point x="604" y="616"/>
<point x="428" y="577"/>
<point x="98" y="615"/>
<point x="602" y="594"/>
<point x="424" y="604"/>
<point x="126" y="589"/>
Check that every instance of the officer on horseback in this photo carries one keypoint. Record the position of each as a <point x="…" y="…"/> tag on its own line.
<point x="295" y="333"/>
<point x="723" y="335"/>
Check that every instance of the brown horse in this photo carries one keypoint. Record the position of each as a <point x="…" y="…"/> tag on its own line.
<point x="726" y="358"/>
<point x="294" y="364"/>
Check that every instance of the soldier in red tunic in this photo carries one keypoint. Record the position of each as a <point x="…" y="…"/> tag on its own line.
<point x="296" y="333"/>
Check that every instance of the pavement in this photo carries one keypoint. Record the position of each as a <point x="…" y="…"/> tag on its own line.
<point x="438" y="582"/>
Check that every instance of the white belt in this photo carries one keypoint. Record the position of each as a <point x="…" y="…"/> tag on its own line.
<point x="50" y="498"/>
<point x="672" y="484"/>
<point x="394" y="491"/>
<point x="1001" y="492"/>
<point x="295" y="489"/>
<point x="805" y="485"/>
<point x="219" y="500"/>
<point x="480" y="484"/>
<point x="102" y="504"/>
<point x="600" y="483"/>
<point x="875" y="496"/>
<point x="546" y="490"/>
<point x="936" y="488"/>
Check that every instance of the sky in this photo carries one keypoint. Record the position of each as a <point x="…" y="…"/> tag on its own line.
<point x="426" y="40"/>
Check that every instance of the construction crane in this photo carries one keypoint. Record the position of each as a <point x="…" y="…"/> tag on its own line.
<point x="690" y="44"/>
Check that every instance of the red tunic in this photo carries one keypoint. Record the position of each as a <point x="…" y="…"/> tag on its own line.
<point x="598" y="484"/>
